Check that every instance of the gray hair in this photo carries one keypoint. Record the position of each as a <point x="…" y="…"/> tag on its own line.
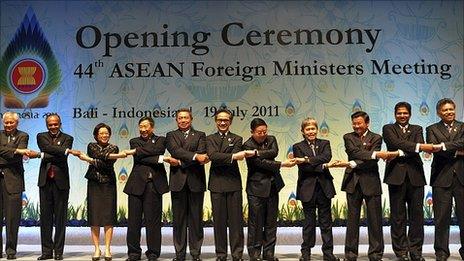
<point x="11" y="114"/>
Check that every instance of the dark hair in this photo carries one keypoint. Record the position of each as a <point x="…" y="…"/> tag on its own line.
<point x="184" y="110"/>
<point x="444" y="101"/>
<point x="403" y="105"/>
<point x="149" y="119"/>
<point x="361" y="114"/>
<point x="98" y="127"/>
<point x="51" y="115"/>
<point x="224" y="109"/>
<point x="256" y="122"/>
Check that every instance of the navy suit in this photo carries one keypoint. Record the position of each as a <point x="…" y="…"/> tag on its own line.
<point x="187" y="183"/>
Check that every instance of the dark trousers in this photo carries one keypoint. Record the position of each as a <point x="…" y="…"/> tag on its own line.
<point x="262" y="225"/>
<point x="53" y="211"/>
<point x="149" y="206"/>
<point x="374" y="225"/>
<point x="324" y="213"/>
<point x="411" y="196"/>
<point x="442" y="205"/>
<point x="227" y="209"/>
<point x="187" y="210"/>
<point x="10" y="209"/>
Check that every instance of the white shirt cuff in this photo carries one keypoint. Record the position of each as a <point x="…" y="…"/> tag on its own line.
<point x="161" y="159"/>
<point x="374" y="155"/>
<point x="353" y="164"/>
<point x="66" y="152"/>
<point x="443" y="147"/>
<point x="400" y="153"/>
<point x="417" y="150"/>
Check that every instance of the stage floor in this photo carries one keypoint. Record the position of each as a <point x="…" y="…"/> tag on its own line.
<point x="78" y="245"/>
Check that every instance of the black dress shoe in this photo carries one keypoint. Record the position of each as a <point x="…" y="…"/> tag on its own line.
<point x="132" y="258"/>
<point x="178" y="259"/>
<point x="305" y="258"/>
<point x="403" y="258"/>
<point x="418" y="258"/>
<point x="255" y="259"/>
<point x="330" y="258"/>
<point x="45" y="257"/>
<point x="221" y="258"/>
<point x="196" y="258"/>
<point x="271" y="258"/>
<point x="237" y="259"/>
<point x="10" y="256"/>
<point x="153" y="258"/>
<point x="58" y="257"/>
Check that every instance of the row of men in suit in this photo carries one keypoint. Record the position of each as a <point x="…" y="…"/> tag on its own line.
<point x="190" y="149"/>
<point x="404" y="175"/>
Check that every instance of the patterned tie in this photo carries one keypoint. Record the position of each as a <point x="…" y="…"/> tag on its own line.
<point x="449" y="127"/>
<point x="185" y="134"/>
<point x="312" y="149"/>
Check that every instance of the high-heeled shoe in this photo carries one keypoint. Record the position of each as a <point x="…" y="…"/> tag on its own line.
<point x="108" y="258"/>
<point x="96" y="257"/>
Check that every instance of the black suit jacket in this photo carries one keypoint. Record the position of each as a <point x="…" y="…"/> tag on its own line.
<point x="146" y="158"/>
<point x="366" y="173"/>
<point x="54" y="154"/>
<point x="224" y="174"/>
<point x="445" y="163"/>
<point x="311" y="173"/>
<point x="263" y="170"/>
<point x="12" y="164"/>
<point x="190" y="171"/>
<point x="102" y="165"/>
<point x="410" y="164"/>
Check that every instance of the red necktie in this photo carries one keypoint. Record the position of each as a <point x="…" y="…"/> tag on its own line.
<point x="51" y="170"/>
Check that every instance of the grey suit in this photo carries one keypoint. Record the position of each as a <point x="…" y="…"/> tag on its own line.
<point x="11" y="186"/>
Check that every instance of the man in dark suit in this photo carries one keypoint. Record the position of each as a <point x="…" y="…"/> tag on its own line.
<point x="224" y="148"/>
<point x="263" y="185"/>
<point x="55" y="146"/>
<point x="187" y="183"/>
<point x="362" y="182"/>
<point x="447" y="175"/>
<point x="146" y="185"/>
<point x="13" y="146"/>
<point x="315" y="189"/>
<point x="405" y="178"/>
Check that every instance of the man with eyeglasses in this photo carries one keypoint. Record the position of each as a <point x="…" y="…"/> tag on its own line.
<point x="224" y="149"/>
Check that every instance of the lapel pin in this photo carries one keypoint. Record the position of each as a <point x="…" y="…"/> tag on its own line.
<point x="13" y="138"/>
<point x="229" y="139"/>
<point x="59" y="142"/>
<point x="152" y="141"/>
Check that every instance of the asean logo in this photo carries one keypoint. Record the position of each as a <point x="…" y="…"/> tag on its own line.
<point x="29" y="71"/>
<point x="27" y="76"/>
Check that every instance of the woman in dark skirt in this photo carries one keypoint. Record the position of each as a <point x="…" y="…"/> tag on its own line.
<point x="101" y="187"/>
